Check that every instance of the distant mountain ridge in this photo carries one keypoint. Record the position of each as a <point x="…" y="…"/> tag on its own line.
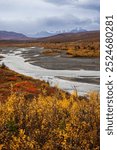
<point x="71" y="37"/>
<point x="6" y="35"/>
<point x="43" y="34"/>
<point x="76" y="30"/>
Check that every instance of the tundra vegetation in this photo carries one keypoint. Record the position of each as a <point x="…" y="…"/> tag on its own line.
<point x="72" y="49"/>
<point x="74" y="45"/>
<point x="35" y="116"/>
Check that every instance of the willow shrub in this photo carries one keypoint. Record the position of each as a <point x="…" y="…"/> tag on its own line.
<point x="50" y="123"/>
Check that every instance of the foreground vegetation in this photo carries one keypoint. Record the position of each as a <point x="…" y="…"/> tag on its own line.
<point x="34" y="116"/>
<point x="11" y="81"/>
<point x="50" y="123"/>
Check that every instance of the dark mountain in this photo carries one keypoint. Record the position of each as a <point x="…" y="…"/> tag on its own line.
<point x="71" y="37"/>
<point x="5" y="35"/>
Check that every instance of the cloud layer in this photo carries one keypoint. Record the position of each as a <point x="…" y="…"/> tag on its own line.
<point x="31" y="16"/>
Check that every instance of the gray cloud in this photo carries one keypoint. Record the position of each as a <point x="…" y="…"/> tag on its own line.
<point x="86" y="4"/>
<point x="64" y="22"/>
<point x="58" y="2"/>
<point x="62" y="2"/>
<point x="90" y="4"/>
<point x="29" y="16"/>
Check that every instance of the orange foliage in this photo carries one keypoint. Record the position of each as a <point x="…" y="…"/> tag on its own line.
<point x="25" y="86"/>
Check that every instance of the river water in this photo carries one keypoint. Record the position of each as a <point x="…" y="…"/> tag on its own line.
<point x="16" y="62"/>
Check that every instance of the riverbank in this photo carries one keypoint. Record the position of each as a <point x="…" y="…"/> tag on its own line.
<point x="12" y="82"/>
<point x="17" y="63"/>
<point x="37" y="115"/>
<point x="61" y="60"/>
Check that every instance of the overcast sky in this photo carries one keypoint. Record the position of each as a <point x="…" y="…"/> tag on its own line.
<point x="32" y="16"/>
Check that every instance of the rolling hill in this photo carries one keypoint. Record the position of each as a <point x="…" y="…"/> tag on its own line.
<point x="59" y="38"/>
<point x="5" y="35"/>
<point x="72" y="37"/>
<point x="83" y="44"/>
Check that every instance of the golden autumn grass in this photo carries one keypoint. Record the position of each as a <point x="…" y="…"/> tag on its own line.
<point x="49" y="120"/>
<point x="74" y="45"/>
<point x="75" y="49"/>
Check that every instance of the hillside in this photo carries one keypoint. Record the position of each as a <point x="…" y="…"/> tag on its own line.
<point x="11" y="81"/>
<point x="83" y="44"/>
<point x="34" y="116"/>
<point x="5" y="35"/>
<point x="72" y="37"/>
